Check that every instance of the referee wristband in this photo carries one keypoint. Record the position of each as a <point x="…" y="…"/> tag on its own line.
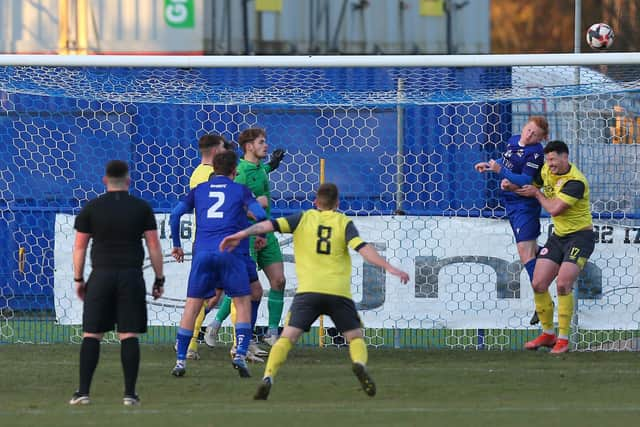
<point x="81" y="279"/>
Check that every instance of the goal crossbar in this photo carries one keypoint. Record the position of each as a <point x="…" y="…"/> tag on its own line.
<point x="632" y="58"/>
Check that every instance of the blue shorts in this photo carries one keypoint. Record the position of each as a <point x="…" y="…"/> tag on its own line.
<point x="211" y="270"/>
<point x="252" y="268"/>
<point x="525" y="223"/>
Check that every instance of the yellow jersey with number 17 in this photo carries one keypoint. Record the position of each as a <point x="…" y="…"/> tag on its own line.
<point x="573" y="189"/>
<point x="321" y="242"/>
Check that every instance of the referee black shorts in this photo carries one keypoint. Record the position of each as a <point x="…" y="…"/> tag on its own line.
<point x="308" y="306"/>
<point x="115" y="297"/>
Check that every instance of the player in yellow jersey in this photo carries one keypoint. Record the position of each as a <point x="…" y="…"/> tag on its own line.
<point x="321" y="241"/>
<point x="565" y="195"/>
<point x="209" y="145"/>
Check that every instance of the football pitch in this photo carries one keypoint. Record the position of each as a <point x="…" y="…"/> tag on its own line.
<point x="316" y="388"/>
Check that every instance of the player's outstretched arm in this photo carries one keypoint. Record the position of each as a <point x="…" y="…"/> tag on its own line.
<point x="372" y="256"/>
<point x="229" y="243"/>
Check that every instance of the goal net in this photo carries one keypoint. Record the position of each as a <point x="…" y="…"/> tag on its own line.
<point x="398" y="135"/>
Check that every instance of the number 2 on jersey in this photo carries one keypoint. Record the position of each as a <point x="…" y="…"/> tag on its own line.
<point x="323" y="244"/>
<point x="213" y="211"/>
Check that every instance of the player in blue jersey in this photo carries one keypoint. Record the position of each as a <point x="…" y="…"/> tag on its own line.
<point x="221" y="207"/>
<point x="520" y="163"/>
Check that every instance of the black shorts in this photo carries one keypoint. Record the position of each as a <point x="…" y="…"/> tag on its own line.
<point x="575" y="248"/>
<point x="308" y="306"/>
<point x="115" y="297"/>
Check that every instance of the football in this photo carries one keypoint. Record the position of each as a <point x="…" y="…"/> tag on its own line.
<point x="600" y="36"/>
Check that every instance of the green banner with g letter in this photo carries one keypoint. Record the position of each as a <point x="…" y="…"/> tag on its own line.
<point x="179" y="13"/>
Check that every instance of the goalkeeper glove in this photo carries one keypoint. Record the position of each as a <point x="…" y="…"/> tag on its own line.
<point x="276" y="158"/>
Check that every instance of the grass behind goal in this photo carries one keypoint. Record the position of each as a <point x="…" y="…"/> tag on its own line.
<point x="316" y="388"/>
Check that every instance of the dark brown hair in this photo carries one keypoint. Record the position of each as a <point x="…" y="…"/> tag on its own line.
<point x="224" y="163"/>
<point x="557" y="146"/>
<point x="211" y="140"/>
<point x="327" y="195"/>
<point x="249" y="135"/>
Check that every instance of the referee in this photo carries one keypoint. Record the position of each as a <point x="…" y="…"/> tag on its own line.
<point x="115" y="292"/>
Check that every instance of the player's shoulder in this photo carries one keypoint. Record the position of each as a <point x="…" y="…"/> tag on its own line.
<point x="202" y="168"/>
<point x="94" y="203"/>
<point x="333" y="216"/>
<point x="536" y="148"/>
<point x="136" y="199"/>
<point x="139" y="203"/>
<point x="239" y="186"/>
<point x="576" y="173"/>
<point x="200" y="174"/>
<point x="245" y="165"/>
<point x="513" y="140"/>
<point x="535" y="152"/>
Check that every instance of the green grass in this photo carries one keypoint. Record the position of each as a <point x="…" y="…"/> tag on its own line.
<point x="316" y="388"/>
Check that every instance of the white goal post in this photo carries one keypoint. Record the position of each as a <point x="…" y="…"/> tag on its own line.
<point x="322" y="61"/>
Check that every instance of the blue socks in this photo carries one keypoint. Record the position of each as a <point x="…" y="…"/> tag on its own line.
<point x="182" y="341"/>
<point x="243" y="336"/>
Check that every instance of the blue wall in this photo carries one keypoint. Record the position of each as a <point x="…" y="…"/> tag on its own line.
<point x="53" y="150"/>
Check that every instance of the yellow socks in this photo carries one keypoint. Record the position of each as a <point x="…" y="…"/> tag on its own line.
<point x="544" y="308"/>
<point x="358" y="351"/>
<point x="565" y="313"/>
<point x="277" y="356"/>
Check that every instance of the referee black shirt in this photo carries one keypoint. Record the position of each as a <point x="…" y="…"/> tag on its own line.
<point x="116" y="221"/>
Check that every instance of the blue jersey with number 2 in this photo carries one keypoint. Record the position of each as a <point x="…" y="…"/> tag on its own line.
<point x="220" y="209"/>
